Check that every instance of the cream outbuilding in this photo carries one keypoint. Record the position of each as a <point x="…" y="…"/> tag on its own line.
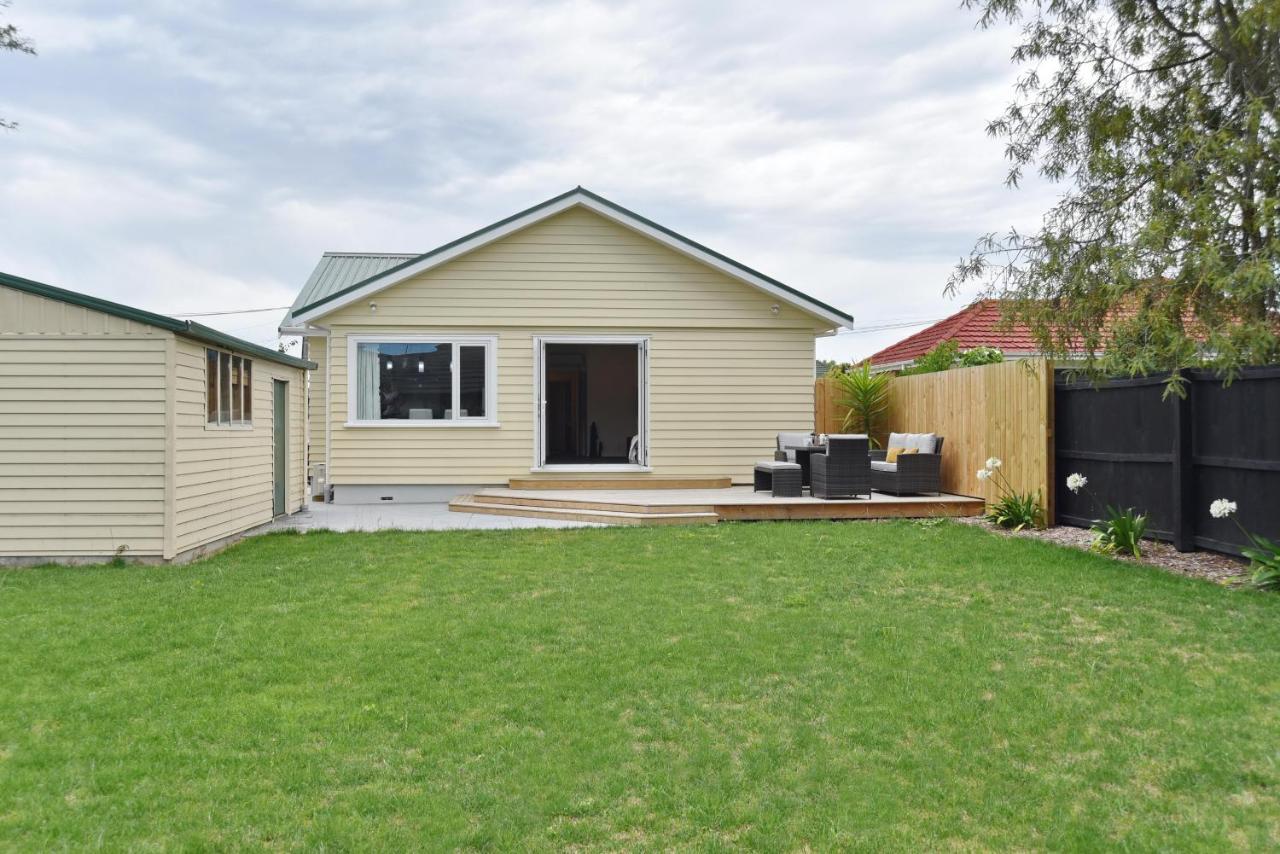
<point x="128" y="433"/>
<point x="575" y="338"/>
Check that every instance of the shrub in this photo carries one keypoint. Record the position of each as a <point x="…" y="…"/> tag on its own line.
<point x="1263" y="555"/>
<point x="1016" y="511"/>
<point x="940" y="358"/>
<point x="866" y="395"/>
<point x="981" y="356"/>
<point x="947" y="355"/>
<point x="1011" y="509"/>
<point x="1121" y="531"/>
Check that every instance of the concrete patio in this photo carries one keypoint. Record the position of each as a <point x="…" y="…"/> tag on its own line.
<point x="405" y="517"/>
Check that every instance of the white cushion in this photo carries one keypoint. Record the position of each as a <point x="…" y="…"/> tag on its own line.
<point x="786" y="441"/>
<point x="881" y="465"/>
<point x="925" y="443"/>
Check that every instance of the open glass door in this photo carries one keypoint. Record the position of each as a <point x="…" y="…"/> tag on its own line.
<point x="592" y="400"/>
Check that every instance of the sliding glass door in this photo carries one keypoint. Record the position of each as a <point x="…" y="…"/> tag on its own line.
<point x="592" y="403"/>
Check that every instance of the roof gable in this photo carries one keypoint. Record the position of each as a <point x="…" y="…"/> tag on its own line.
<point x="315" y="304"/>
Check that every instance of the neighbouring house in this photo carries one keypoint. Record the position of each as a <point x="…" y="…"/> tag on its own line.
<point x="573" y="338"/>
<point x="134" y="434"/>
<point x="975" y="325"/>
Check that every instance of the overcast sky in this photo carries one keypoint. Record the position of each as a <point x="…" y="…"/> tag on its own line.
<point x="186" y="156"/>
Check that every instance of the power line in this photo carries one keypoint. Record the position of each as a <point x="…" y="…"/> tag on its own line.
<point x="860" y="330"/>
<point x="220" y="313"/>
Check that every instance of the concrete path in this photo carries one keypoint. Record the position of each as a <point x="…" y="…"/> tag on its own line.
<point x="405" y="517"/>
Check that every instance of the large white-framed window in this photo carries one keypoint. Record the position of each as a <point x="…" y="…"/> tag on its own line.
<point x="228" y="390"/>
<point x="422" y="380"/>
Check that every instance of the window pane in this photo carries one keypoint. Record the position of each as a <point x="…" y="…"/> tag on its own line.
<point x="471" y="381"/>
<point x="224" y="389"/>
<point x="237" y="391"/>
<point x="211" y="385"/>
<point x="248" y="390"/>
<point x="404" y="381"/>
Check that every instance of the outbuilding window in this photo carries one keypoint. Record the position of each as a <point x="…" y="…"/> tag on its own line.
<point x="423" y="381"/>
<point x="228" y="389"/>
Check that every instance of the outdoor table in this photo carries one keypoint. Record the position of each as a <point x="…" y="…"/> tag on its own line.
<point x="803" y="455"/>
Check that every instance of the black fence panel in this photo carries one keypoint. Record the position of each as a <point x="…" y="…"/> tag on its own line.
<point x="1171" y="457"/>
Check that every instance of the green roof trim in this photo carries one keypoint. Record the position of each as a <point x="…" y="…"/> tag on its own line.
<point x="576" y="191"/>
<point x="187" y="328"/>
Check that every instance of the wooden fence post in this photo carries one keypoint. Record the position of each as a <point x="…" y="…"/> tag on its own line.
<point x="1183" y="473"/>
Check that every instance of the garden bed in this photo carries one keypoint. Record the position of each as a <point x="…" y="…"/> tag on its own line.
<point x="1210" y="566"/>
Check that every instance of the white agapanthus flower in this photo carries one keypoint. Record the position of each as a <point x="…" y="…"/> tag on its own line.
<point x="994" y="463"/>
<point x="1222" y="508"/>
<point x="1076" y="482"/>
<point x="983" y="474"/>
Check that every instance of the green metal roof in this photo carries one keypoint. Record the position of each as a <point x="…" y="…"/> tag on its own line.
<point x="338" y="271"/>
<point x="187" y="328"/>
<point x="334" y="276"/>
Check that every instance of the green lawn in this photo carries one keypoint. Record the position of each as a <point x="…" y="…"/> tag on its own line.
<point x="769" y="685"/>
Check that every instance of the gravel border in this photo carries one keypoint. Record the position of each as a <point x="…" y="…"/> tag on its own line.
<point x="1209" y="566"/>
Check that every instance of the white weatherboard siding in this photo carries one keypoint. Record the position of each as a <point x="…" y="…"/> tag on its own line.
<point x="82" y="431"/>
<point x="223" y="476"/>
<point x="103" y="442"/>
<point x="316" y="350"/>
<point x="727" y="371"/>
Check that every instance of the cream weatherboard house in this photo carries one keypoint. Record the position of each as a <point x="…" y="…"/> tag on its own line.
<point x="128" y="433"/>
<point x="574" y="339"/>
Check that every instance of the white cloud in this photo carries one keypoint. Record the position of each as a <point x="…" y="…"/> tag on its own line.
<point x="216" y="148"/>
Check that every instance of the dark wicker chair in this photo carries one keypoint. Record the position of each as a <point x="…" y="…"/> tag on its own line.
<point x="787" y="444"/>
<point x="796" y="448"/>
<point x="912" y="472"/>
<point x="844" y="471"/>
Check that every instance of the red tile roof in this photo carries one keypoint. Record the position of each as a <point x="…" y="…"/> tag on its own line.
<point x="973" y="326"/>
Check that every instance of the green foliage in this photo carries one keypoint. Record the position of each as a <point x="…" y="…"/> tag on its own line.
<point x="1011" y="509"/>
<point x="981" y="356"/>
<point x="947" y="355"/>
<point x="1264" y="561"/>
<point x="1016" y="511"/>
<point x="1162" y="120"/>
<point x="1121" y="531"/>
<point x="12" y="39"/>
<point x="941" y="358"/>
<point x="866" y="394"/>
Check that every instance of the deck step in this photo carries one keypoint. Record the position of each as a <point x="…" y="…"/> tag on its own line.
<point x="555" y="502"/>
<point x="469" y="504"/>
<point x="631" y="482"/>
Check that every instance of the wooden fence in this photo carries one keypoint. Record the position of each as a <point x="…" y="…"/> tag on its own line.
<point x="1170" y="457"/>
<point x="1003" y="410"/>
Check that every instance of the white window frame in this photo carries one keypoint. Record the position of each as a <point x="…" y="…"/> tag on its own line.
<point x="540" y="342"/>
<point x="246" y="390"/>
<point x="489" y="342"/>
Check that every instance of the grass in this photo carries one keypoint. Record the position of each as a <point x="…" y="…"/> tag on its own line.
<point x="771" y="686"/>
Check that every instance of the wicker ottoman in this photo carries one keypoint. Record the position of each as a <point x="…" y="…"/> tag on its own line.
<point x="781" y="478"/>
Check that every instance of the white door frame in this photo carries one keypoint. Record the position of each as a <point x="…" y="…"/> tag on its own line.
<point x="540" y="342"/>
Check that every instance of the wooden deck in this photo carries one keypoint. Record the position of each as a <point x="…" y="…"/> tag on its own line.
<point x="702" y="506"/>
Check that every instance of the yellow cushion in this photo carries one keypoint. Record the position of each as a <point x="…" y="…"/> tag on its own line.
<point x="891" y="455"/>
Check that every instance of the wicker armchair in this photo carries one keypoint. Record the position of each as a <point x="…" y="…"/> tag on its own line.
<point x="844" y="471"/>
<point x="787" y="444"/>
<point x="911" y="473"/>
